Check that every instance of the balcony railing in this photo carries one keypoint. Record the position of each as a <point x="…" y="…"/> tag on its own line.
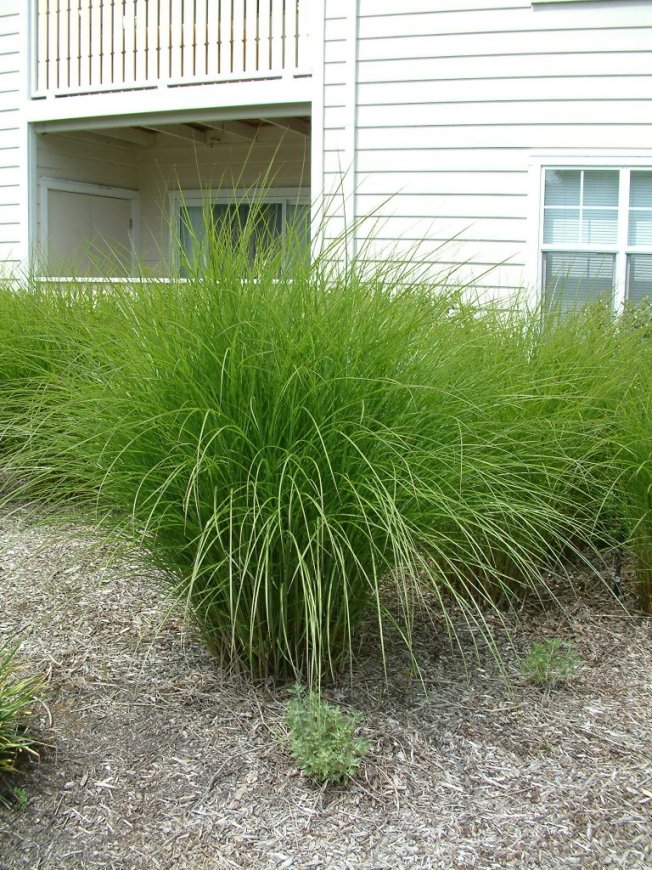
<point x="88" y="46"/>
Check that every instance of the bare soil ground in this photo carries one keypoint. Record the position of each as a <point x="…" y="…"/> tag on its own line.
<point x="160" y="760"/>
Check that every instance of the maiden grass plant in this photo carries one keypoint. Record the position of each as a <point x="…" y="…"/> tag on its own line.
<point x="17" y="695"/>
<point x="300" y="445"/>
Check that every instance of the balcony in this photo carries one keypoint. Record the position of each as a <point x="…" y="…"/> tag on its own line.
<point x="84" y="47"/>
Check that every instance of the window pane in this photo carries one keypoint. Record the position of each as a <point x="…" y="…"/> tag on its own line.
<point x="640" y="227"/>
<point x="599" y="226"/>
<point x="601" y="188"/>
<point x="562" y="187"/>
<point x="298" y="228"/>
<point x="640" y="189"/>
<point x="234" y="218"/>
<point x="561" y="226"/>
<point x="192" y="232"/>
<point x="639" y="278"/>
<point x="574" y="280"/>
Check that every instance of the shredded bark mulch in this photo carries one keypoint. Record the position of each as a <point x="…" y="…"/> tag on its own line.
<point x="159" y="759"/>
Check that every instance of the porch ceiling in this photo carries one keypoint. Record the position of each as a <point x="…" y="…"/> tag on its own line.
<point x="204" y="132"/>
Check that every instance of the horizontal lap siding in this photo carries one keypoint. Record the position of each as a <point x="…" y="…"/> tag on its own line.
<point x="12" y="231"/>
<point x="450" y="104"/>
<point x="336" y="94"/>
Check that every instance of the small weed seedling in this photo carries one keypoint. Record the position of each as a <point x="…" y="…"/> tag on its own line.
<point x="322" y="738"/>
<point x="550" y="662"/>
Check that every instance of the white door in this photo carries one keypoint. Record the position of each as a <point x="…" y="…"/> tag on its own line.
<point x="88" y="234"/>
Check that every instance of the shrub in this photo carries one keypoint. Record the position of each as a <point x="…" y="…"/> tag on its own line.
<point x="323" y="739"/>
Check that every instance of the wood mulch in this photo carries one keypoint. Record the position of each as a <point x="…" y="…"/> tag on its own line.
<point x="159" y="759"/>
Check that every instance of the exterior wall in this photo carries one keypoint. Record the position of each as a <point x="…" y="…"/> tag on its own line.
<point x="278" y="158"/>
<point x="13" y="229"/>
<point x="451" y="105"/>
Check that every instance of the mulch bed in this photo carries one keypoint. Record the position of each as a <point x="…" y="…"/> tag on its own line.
<point x="160" y="759"/>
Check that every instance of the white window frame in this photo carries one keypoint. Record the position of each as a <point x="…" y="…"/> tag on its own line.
<point x="193" y="198"/>
<point x="67" y="186"/>
<point x="608" y="160"/>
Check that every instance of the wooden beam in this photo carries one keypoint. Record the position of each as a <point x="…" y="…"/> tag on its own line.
<point x="181" y="131"/>
<point x="235" y="128"/>
<point x="294" y="125"/>
<point x="144" y="138"/>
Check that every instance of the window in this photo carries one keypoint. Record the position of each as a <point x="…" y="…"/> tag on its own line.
<point x="274" y="215"/>
<point x="596" y="240"/>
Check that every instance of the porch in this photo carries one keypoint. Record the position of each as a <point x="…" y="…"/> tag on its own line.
<point x="108" y="200"/>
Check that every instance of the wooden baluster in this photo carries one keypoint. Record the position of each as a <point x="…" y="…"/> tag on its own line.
<point x="129" y="40"/>
<point x="212" y="38"/>
<point x="176" y="39"/>
<point x="250" y="36"/>
<point x="277" y="36"/>
<point x="96" y="42"/>
<point x="226" y="37"/>
<point x="53" y="44"/>
<point x="140" y="48"/>
<point x="42" y="53"/>
<point x="201" y="36"/>
<point x="264" y="35"/>
<point x="84" y="44"/>
<point x="164" y="31"/>
<point x="290" y="32"/>
<point x="73" y="44"/>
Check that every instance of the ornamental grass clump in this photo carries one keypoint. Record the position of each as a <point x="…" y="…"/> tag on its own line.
<point x="17" y="696"/>
<point x="302" y="446"/>
<point x="50" y="332"/>
<point x="635" y="485"/>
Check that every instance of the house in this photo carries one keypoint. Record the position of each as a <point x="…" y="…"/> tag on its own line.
<point x="509" y="140"/>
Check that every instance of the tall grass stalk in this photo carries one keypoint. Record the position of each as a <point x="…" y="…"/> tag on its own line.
<point x="300" y="445"/>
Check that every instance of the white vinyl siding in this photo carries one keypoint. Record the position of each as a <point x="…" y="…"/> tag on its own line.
<point x="451" y="101"/>
<point x="13" y="229"/>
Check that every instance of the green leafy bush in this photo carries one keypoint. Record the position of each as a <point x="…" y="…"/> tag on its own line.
<point x="550" y="662"/>
<point x="322" y="738"/>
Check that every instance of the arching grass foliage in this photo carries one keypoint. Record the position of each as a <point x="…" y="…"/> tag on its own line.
<point x="296" y="444"/>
